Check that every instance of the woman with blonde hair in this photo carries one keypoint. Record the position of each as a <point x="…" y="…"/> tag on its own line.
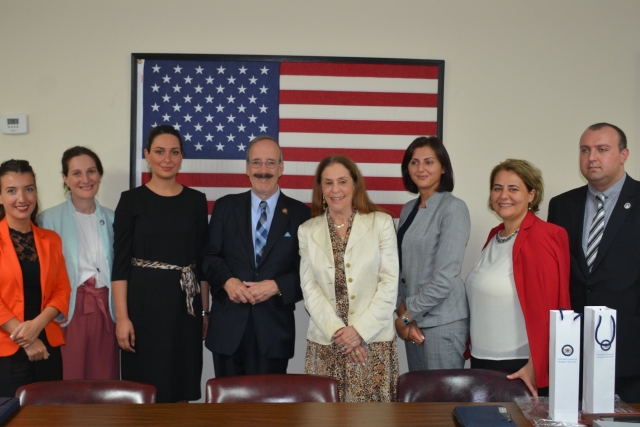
<point x="522" y="273"/>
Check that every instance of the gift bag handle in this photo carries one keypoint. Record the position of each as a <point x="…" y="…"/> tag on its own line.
<point x="561" y="310"/>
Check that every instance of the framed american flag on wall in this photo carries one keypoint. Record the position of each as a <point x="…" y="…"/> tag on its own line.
<point x="369" y="109"/>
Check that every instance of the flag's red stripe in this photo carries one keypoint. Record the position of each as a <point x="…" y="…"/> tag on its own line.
<point x="300" y="182"/>
<point x="299" y="154"/>
<point x="210" y="204"/>
<point x="394" y="210"/>
<point x="359" y="70"/>
<point x="368" y="127"/>
<point x="376" y="99"/>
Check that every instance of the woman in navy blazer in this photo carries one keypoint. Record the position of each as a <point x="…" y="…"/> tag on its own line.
<point x="432" y="235"/>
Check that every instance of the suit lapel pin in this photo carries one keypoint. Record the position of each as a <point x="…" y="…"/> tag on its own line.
<point x="285" y="211"/>
<point x="102" y="222"/>
<point x="627" y="205"/>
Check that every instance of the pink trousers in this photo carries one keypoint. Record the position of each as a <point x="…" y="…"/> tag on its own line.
<point x="91" y="351"/>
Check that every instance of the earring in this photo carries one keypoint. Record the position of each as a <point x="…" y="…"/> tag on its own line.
<point x="324" y="204"/>
<point x="180" y="167"/>
<point x="148" y="165"/>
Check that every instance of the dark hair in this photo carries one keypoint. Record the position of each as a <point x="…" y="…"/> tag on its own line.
<point x="17" y="166"/>
<point x="528" y="173"/>
<point x="75" y="152"/>
<point x="622" y="138"/>
<point x="361" y="200"/>
<point x="446" y="181"/>
<point x="261" y="138"/>
<point x="162" y="130"/>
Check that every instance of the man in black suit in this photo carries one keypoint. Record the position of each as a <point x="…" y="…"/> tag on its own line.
<point x="252" y="266"/>
<point x="605" y="266"/>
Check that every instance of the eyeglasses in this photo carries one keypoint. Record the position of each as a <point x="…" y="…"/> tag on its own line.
<point x="257" y="164"/>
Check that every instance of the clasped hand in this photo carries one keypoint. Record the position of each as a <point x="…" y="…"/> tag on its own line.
<point x="37" y="351"/>
<point x="26" y="333"/>
<point x="250" y="292"/>
<point x="350" y="342"/>
<point x="410" y="332"/>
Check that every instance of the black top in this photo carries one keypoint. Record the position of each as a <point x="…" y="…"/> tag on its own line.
<point x="28" y="256"/>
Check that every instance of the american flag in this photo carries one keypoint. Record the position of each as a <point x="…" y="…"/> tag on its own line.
<point x="367" y="111"/>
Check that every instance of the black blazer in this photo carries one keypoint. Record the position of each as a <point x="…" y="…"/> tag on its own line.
<point x="615" y="277"/>
<point x="230" y="253"/>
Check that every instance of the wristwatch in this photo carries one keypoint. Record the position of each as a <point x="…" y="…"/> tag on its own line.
<point x="405" y="319"/>
<point x="206" y="313"/>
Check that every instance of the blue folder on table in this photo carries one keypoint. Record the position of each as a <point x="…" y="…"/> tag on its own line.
<point x="483" y="416"/>
<point x="8" y="405"/>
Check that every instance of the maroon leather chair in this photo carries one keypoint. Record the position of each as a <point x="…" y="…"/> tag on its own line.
<point x="459" y="385"/>
<point x="71" y="392"/>
<point x="273" y="388"/>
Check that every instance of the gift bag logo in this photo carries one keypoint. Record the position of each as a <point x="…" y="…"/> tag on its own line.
<point x="567" y="350"/>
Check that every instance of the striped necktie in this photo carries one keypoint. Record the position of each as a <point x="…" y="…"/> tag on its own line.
<point x="261" y="232"/>
<point x="596" y="231"/>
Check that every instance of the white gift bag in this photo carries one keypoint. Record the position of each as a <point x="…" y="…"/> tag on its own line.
<point x="564" y="365"/>
<point x="599" y="364"/>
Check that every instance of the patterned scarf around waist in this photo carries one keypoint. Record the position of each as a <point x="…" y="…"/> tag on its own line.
<point x="188" y="281"/>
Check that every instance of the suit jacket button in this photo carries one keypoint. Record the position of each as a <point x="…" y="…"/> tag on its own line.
<point x="353" y="297"/>
<point x="351" y="312"/>
<point x="590" y="289"/>
<point x="256" y="274"/>
<point x="403" y="281"/>
<point x="350" y="280"/>
<point x="347" y="265"/>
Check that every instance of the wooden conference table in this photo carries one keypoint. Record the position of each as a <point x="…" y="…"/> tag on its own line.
<point x="246" y="414"/>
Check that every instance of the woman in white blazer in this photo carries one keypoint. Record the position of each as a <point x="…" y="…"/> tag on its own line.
<point x="86" y="229"/>
<point x="433" y="316"/>
<point x="349" y="278"/>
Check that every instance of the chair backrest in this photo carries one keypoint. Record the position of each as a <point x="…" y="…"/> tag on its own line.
<point x="71" y="392"/>
<point x="273" y="388"/>
<point x="459" y="385"/>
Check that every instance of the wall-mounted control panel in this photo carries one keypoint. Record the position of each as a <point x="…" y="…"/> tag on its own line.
<point x="13" y="123"/>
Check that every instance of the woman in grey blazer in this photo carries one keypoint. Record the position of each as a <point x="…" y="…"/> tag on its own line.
<point x="433" y="316"/>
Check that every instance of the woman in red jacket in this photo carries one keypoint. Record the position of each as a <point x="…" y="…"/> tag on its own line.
<point x="34" y="287"/>
<point x="522" y="273"/>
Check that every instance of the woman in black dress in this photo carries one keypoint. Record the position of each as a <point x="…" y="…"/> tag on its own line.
<point x="159" y="232"/>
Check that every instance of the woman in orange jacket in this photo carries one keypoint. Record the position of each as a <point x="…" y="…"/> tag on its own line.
<point x="34" y="287"/>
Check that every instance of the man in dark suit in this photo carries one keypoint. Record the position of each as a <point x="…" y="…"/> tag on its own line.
<point x="603" y="223"/>
<point x="252" y="266"/>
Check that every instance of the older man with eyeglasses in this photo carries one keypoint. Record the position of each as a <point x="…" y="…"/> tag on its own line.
<point x="252" y="266"/>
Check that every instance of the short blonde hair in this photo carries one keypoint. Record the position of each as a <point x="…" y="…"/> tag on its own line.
<point x="528" y="173"/>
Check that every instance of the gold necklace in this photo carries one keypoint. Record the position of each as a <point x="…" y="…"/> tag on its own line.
<point x="339" y="226"/>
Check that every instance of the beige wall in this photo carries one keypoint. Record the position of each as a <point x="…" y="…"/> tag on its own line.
<point x="522" y="79"/>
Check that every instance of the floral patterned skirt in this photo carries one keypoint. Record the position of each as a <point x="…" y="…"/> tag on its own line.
<point x="376" y="381"/>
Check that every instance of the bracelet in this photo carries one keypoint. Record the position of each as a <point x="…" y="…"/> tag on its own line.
<point x="206" y="313"/>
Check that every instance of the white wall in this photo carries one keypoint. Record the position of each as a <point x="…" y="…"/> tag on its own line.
<point x="522" y="79"/>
